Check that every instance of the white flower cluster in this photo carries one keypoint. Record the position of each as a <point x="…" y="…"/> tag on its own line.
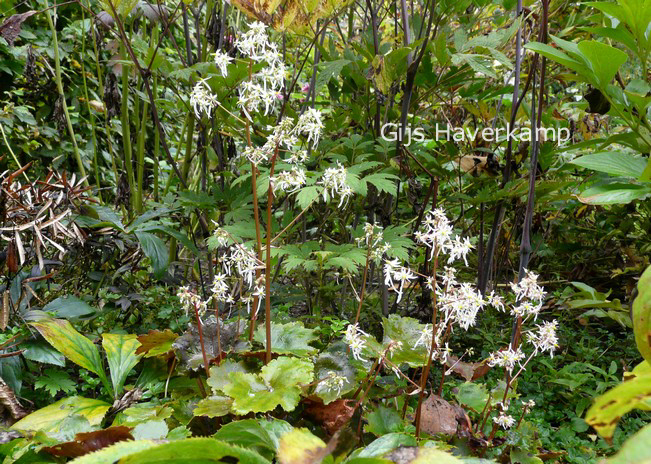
<point x="504" y="420"/>
<point x="545" y="338"/>
<point x="191" y="301"/>
<point x="334" y="183"/>
<point x="331" y="382"/>
<point x="372" y="239"/>
<point x="354" y="337"/>
<point x="289" y="181"/>
<point x="310" y="124"/>
<point x="222" y="60"/>
<point x="437" y="236"/>
<point x="395" y="273"/>
<point x="262" y="90"/>
<point x="202" y="99"/>
<point x="461" y="303"/>
<point x="507" y="359"/>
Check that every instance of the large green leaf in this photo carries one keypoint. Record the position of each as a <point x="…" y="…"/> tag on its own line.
<point x="219" y="374"/>
<point x="604" y="60"/>
<point x="250" y="434"/>
<point x="635" y="450"/>
<point x="612" y="162"/>
<point x="121" y="355"/>
<point x="291" y="338"/>
<point x="70" y="307"/>
<point x="300" y="446"/>
<point x="73" y="345"/>
<point x="155" y="249"/>
<point x="642" y="315"/>
<point x="213" y="406"/>
<point x="278" y="384"/>
<point x="193" y="451"/>
<point x="331" y="366"/>
<point x="635" y="392"/>
<point x="613" y="194"/>
<point x="49" y="418"/>
<point x="405" y="330"/>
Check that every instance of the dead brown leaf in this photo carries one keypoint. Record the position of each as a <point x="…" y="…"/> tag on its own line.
<point x="332" y="415"/>
<point x="469" y="371"/>
<point x="11" y="27"/>
<point x="88" y="442"/>
<point x="438" y="416"/>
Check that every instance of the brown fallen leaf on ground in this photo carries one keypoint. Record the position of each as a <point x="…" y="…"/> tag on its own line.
<point x="332" y="415"/>
<point x="469" y="371"/>
<point x="438" y="416"/>
<point x="10" y="28"/>
<point x="88" y="442"/>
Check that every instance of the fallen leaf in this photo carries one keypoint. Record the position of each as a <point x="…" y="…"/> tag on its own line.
<point x="438" y="416"/>
<point x="469" y="371"/>
<point x="334" y="415"/>
<point x="156" y="342"/>
<point x="11" y="27"/>
<point x="88" y="442"/>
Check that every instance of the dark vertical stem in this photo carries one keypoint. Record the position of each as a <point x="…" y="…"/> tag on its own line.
<point x="500" y="208"/>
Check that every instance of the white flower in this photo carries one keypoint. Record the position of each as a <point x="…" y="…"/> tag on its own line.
<point x="372" y="235"/>
<point x="505" y="421"/>
<point x="222" y="60"/>
<point x="437" y="232"/>
<point x="253" y="96"/>
<point x="222" y="236"/>
<point x="506" y="358"/>
<point x="545" y="338"/>
<point x="495" y="301"/>
<point x="332" y="382"/>
<point x="425" y="338"/>
<point x="202" y="99"/>
<point x="297" y="157"/>
<point x="354" y="338"/>
<point x="526" y="309"/>
<point x="334" y="183"/>
<point x="255" y="155"/>
<point x="244" y="262"/>
<point x="254" y="42"/>
<point x="394" y="272"/>
<point x="528" y="288"/>
<point x="461" y="304"/>
<point x="310" y="124"/>
<point x="191" y="301"/>
<point x="289" y="181"/>
<point x="458" y="248"/>
<point x="220" y="288"/>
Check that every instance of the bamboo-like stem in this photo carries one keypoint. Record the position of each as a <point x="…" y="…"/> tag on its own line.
<point x="59" y="83"/>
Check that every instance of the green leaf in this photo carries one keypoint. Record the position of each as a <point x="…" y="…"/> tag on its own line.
<point x="151" y="430"/>
<point x="405" y="330"/>
<point x="613" y="194"/>
<point x="604" y="60"/>
<point x="70" y="307"/>
<point x="472" y="395"/>
<point x="74" y="346"/>
<point x="219" y="374"/>
<point x="635" y="450"/>
<point x="330" y="69"/>
<point x="193" y="451"/>
<point x="384" y="420"/>
<point x="291" y="338"/>
<point x="383" y="182"/>
<point x="386" y="443"/>
<point x="300" y="446"/>
<point x="121" y="355"/>
<point x="54" y="381"/>
<point x="249" y="434"/>
<point x="642" y="315"/>
<point x="40" y="351"/>
<point x="614" y="163"/>
<point x="155" y="249"/>
<point x="635" y="392"/>
<point x="213" y="406"/>
<point x="327" y="365"/>
<point x="307" y="195"/>
<point x="49" y="418"/>
<point x="278" y="384"/>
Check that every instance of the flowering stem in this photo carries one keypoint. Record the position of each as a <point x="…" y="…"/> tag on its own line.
<point x="428" y="365"/>
<point x="203" y="347"/>
<point x="361" y="294"/>
<point x="256" y="216"/>
<point x="267" y="270"/>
